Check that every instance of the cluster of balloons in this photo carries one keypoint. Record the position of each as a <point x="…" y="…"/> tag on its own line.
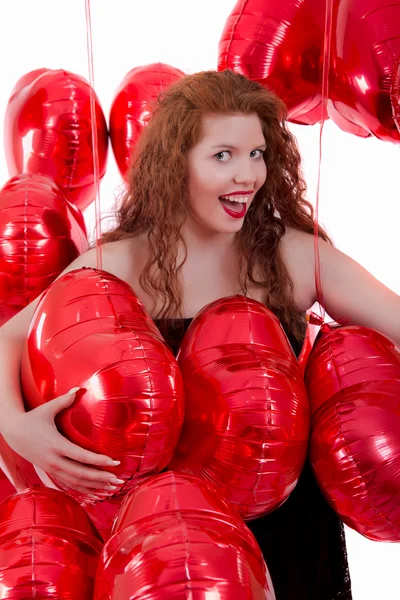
<point x="337" y="59"/>
<point x="332" y="59"/>
<point x="55" y="162"/>
<point x="218" y="435"/>
<point x="132" y="402"/>
<point x="231" y="419"/>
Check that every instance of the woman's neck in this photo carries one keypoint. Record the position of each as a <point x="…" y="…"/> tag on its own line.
<point x="198" y="239"/>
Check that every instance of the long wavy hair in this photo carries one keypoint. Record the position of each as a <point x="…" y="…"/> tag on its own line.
<point x="156" y="196"/>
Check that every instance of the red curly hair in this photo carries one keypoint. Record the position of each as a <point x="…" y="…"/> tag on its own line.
<point x="155" y="200"/>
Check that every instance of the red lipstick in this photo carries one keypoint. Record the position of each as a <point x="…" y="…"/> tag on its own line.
<point x="234" y="213"/>
<point x="245" y="193"/>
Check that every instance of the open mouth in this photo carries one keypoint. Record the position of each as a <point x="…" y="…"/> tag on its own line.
<point x="232" y="205"/>
<point x="233" y="208"/>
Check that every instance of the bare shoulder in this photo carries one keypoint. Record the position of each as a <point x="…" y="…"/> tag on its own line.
<point x="120" y="258"/>
<point x="297" y="252"/>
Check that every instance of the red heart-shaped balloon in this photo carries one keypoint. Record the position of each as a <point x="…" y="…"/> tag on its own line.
<point x="132" y="107"/>
<point x="40" y="234"/>
<point x="280" y="45"/>
<point x="48" y="547"/>
<point x="48" y="130"/>
<point x="353" y="382"/>
<point x="365" y="50"/>
<point x="287" y="45"/>
<point x="176" y="537"/>
<point x="90" y="330"/>
<point x="247" y="417"/>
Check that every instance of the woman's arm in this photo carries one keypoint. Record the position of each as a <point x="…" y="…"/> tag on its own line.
<point x="33" y="435"/>
<point x="352" y="296"/>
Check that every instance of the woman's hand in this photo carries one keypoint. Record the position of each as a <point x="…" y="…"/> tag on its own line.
<point x="34" y="436"/>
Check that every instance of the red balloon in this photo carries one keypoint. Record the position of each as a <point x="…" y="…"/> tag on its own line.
<point x="366" y="47"/>
<point x="395" y="95"/>
<point x="40" y="234"/>
<point x="6" y="312"/>
<point x="48" y="130"/>
<point x="353" y="382"/>
<point x="103" y="515"/>
<point x="175" y="538"/>
<point x="132" y="106"/>
<point x="280" y="45"/>
<point x="6" y="487"/>
<point x="48" y="547"/>
<point x="247" y="417"/>
<point x="91" y="330"/>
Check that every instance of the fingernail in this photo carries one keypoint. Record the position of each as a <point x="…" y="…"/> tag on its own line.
<point x="113" y="463"/>
<point x="112" y="487"/>
<point x="73" y="391"/>
<point x="115" y="480"/>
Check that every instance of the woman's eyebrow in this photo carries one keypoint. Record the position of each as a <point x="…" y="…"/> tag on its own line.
<point x="262" y="145"/>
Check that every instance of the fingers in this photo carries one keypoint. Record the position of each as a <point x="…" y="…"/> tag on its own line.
<point x="58" y="404"/>
<point x="87" y="487"/>
<point x="85" y="475"/>
<point x="81" y="455"/>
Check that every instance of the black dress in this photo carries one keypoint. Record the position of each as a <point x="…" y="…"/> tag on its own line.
<point x="303" y="541"/>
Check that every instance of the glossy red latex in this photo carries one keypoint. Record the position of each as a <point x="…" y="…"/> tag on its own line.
<point x="287" y="45"/>
<point x="90" y="330"/>
<point x="280" y="45"/>
<point x="247" y="417"/>
<point x="48" y="130"/>
<point x="40" y="234"/>
<point x="6" y="487"/>
<point x="48" y="547"/>
<point x="175" y="538"/>
<point x="132" y="107"/>
<point x="365" y="49"/>
<point x="353" y="381"/>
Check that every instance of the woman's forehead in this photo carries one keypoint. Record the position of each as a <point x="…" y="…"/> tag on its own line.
<point x="228" y="129"/>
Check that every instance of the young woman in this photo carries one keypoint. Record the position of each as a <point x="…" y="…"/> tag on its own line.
<point x="215" y="206"/>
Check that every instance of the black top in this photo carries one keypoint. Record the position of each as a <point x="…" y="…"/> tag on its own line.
<point x="303" y="541"/>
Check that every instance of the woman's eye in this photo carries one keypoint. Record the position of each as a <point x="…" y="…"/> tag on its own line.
<point x="221" y="155"/>
<point x="224" y="155"/>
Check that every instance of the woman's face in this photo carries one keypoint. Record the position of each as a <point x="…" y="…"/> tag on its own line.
<point x="227" y="162"/>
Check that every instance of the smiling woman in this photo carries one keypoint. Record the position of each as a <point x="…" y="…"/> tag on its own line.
<point x="211" y="135"/>
<point x="229" y="178"/>
<point x="215" y="138"/>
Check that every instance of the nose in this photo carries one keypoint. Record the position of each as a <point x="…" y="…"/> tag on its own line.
<point x="245" y="173"/>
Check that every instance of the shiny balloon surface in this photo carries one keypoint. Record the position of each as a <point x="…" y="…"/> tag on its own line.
<point x="353" y="382"/>
<point x="365" y="50"/>
<point x="90" y="330"/>
<point x="132" y="107"/>
<point x="247" y="416"/>
<point x="48" y="547"/>
<point x="322" y="59"/>
<point x="40" y="235"/>
<point x="280" y="45"/>
<point x="176" y="537"/>
<point x="48" y="130"/>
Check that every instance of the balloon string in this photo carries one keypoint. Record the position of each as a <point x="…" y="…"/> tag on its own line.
<point x="96" y="170"/>
<point x="324" y="100"/>
<point x="314" y="321"/>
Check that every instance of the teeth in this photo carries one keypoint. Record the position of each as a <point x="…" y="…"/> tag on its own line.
<point x="242" y="199"/>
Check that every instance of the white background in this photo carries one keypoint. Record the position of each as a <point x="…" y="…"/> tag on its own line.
<point x="359" y="197"/>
